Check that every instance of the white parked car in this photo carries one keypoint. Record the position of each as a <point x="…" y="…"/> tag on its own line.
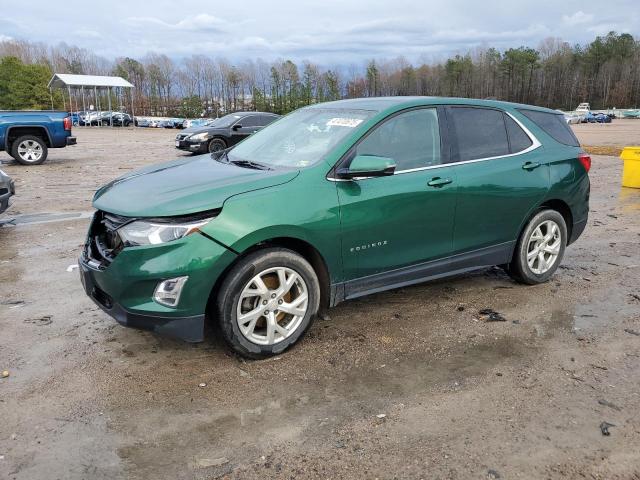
<point x="572" y="119"/>
<point x="583" y="108"/>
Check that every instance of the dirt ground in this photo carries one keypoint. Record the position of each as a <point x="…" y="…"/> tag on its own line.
<point x="461" y="397"/>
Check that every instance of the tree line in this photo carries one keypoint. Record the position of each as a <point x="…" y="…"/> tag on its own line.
<point x="604" y="72"/>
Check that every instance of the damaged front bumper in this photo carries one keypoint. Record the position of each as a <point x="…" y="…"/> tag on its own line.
<point x="123" y="284"/>
<point x="189" y="329"/>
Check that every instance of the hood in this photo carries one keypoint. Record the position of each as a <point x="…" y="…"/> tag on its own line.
<point x="192" y="130"/>
<point x="182" y="187"/>
<point x="201" y="129"/>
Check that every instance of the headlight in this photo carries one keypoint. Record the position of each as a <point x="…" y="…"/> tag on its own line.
<point x="199" y="137"/>
<point x="142" y="232"/>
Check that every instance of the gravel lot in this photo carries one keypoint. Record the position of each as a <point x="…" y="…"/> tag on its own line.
<point x="461" y="397"/>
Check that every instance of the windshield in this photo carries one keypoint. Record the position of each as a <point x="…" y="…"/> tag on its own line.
<point x="301" y="138"/>
<point x="227" y="120"/>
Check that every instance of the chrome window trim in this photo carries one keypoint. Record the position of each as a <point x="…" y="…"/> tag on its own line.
<point x="535" y="144"/>
<point x="244" y="117"/>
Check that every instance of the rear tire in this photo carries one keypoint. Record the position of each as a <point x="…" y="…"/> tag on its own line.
<point x="540" y="248"/>
<point x="277" y="293"/>
<point x="29" y="150"/>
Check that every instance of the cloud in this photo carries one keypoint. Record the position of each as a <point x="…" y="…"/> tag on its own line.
<point x="605" y="28"/>
<point x="86" y="33"/>
<point x="475" y="36"/>
<point x="10" y="27"/>
<point x="578" y="18"/>
<point x="386" y="25"/>
<point x="330" y="32"/>
<point x="5" y="38"/>
<point x="254" y="42"/>
<point x="365" y="40"/>
<point x="202" y="22"/>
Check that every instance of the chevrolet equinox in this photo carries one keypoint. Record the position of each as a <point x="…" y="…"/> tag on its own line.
<point x="332" y="202"/>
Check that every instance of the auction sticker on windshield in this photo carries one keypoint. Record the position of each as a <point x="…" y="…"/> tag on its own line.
<point x="344" y="122"/>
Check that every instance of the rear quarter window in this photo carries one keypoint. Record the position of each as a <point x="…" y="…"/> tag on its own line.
<point x="554" y="125"/>
<point x="518" y="139"/>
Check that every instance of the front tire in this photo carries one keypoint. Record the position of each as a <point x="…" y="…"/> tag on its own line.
<point x="29" y="150"/>
<point x="540" y="248"/>
<point x="267" y="302"/>
<point x="216" y="145"/>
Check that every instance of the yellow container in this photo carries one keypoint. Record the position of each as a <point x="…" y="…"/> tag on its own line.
<point x="631" y="170"/>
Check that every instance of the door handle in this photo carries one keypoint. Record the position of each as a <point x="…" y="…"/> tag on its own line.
<point x="530" y="166"/>
<point x="439" y="182"/>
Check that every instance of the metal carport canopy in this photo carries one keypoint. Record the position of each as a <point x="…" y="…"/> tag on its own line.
<point x="61" y="80"/>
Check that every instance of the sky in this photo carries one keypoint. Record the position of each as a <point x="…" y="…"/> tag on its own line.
<point x="328" y="31"/>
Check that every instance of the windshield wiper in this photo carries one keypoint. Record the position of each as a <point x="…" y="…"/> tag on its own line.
<point x="249" y="164"/>
<point x="218" y="156"/>
<point x="223" y="157"/>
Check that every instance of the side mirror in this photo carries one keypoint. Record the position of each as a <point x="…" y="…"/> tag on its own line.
<point x="236" y="127"/>
<point x="367" y="166"/>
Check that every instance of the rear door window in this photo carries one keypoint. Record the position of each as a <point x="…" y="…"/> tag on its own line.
<point x="477" y="133"/>
<point x="267" y="119"/>
<point x="251" y="121"/>
<point x="554" y="125"/>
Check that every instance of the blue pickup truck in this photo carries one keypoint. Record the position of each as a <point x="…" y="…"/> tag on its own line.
<point x="28" y="135"/>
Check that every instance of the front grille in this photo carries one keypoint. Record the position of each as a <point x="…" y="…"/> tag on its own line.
<point x="104" y="243"/>
<point x="181" y="136"/>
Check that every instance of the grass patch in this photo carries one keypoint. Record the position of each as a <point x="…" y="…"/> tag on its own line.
<point x="609" y="150"/>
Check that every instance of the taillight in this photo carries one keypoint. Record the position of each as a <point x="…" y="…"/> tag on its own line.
<point x="67" y="123"/>
<point x="585" y="160"/>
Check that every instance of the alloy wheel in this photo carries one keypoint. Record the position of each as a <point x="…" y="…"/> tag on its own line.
<point x="30" y="151"/>
<point x="215" y="147"/>
<point x="272" y="305"/>
<point x="543" y="247"/>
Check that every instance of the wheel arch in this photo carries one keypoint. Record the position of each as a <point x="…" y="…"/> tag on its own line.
<point x="562" y="208"/>
<point x="219" y="137"/>
<point x="556" y="204"/>
<point x="13" y="133"/>
<point x="303" y="248"/>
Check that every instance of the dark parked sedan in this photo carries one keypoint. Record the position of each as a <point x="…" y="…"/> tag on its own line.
<point x="117" y="119"/>
<point x="7" y="189"/>
<point x="121" y="119"/>
<point x="223" y="132"/>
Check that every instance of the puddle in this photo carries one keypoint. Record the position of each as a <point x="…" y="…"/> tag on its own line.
<point x="599" y="313"/>
<point x="10" y="265"/>
<point x="38" y="218"/>
<point x="293" y="412"/>
<point x="420" y="372"/>
<point x="629" y="200"/>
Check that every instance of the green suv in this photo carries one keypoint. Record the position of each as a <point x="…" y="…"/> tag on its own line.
<point x="333" y="202"/>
